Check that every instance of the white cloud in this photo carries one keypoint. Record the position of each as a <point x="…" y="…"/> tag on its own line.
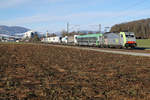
<point x="11" y="3"/>
<point x="53" y="0"/>
<point x="80" y="18"/>
<point x="76" y="16"/>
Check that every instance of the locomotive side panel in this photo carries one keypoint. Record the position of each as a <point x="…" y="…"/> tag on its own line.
<point x="112" y="40"/>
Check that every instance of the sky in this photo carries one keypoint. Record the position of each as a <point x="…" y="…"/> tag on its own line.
<point x="53" y="15"/>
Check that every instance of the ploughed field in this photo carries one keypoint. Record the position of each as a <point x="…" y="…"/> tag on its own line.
<point x="38" y="72"/>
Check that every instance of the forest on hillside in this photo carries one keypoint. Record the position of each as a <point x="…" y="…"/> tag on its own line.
<point x="141" y="28"/>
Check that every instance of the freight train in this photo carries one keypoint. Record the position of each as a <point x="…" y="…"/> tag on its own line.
<point x="121" y="40"/>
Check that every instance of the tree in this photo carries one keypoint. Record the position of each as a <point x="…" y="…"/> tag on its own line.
<point x="64" y="33"/>
<point x="141" y="28"/>
<point x="52" y="35"/>
<point x="35" y="38"/>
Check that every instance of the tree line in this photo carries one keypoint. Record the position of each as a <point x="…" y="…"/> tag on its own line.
<point x="141" y="28"/>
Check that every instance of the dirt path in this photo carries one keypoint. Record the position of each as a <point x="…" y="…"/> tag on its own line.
<point x="120" y="52"/>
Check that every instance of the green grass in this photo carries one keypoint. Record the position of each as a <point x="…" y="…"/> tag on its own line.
<point x="143" y="42"/>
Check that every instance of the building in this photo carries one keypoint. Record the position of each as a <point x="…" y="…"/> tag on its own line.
<point x="30" y="34"/>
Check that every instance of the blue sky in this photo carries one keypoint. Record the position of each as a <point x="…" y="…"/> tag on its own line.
<point x="52" y="15"/>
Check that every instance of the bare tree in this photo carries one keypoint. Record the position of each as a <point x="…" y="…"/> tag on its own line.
<point x="141" y="28"/>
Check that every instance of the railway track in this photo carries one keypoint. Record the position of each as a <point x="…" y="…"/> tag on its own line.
<point x="131" y="52"/>
<point x="122" y="52"/>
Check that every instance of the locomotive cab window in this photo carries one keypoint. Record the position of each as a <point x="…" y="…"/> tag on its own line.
<point x="121" y="35"/>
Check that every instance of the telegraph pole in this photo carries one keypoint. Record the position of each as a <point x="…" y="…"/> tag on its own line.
<point x="47" y="33"/>
<point x="99" y="28"/>
<point x="67" y="27"/>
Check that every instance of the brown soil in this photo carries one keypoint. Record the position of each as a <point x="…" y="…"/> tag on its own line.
<point x="38" y="72"/>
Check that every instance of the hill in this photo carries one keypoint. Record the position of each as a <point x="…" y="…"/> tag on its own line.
<point x="140" y="27"/>
<point x="12" y="30"/>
